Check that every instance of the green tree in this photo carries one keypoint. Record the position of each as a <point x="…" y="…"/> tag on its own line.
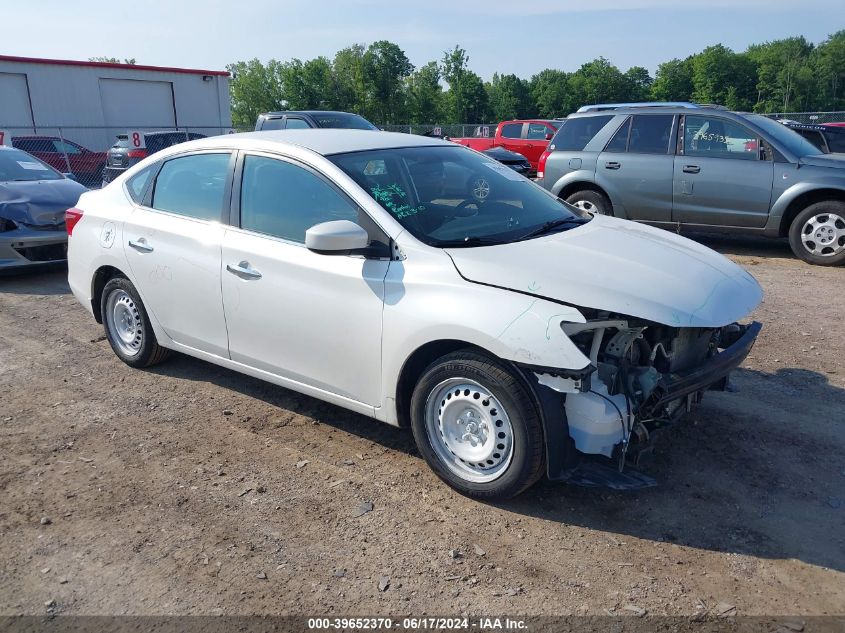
<point x="550" y="94"/>
<point x="509" y="98"/>
<point x="782" y="69"/>
<point x="598" y="81"/>
<point x="306" y="85"/>
<point x="673" y="81"/>
<point x="425" y="94"/>
<point x="112" y="60"/>
<point x="723" y="77"/>
<point x="639" y="83"/>
<point x="348" y="69"/>
<point x="829" y="61"/>
<point x="254" y="88"/>
<point x="454" y="70"/>
<point x="385" y="67"/>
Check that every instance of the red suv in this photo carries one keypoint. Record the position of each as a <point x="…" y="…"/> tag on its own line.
<point x="65" y="156"/>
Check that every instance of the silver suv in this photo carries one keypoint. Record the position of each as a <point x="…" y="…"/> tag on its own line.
<point x="701" y="168"/>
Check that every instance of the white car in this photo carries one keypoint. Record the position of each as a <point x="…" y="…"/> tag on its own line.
<point x="420" y="283"/>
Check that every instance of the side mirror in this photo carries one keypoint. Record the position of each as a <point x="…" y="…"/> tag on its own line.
<point x="549" y="136"/>
<point x="336" y="238"/>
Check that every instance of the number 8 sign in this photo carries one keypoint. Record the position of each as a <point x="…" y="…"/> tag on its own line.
<point x="136" y="139"/>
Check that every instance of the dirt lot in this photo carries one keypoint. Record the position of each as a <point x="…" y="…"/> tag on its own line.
<point x="193" y="489"/>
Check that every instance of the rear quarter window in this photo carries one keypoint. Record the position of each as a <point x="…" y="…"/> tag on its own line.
<point x="574" y="134"/>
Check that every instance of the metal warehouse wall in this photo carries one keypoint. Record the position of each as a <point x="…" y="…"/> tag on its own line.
<point x="74" y="96"/>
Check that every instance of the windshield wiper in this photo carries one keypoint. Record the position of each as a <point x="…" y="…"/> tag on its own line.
<point x="546" y="227"/>
<point x="469" y="241"/>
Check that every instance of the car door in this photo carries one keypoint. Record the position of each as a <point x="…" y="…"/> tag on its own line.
<point x="512" y="137"/>
<point x="313" y="319"/>
<point x="172" y="242"/>
<point x="537" y="138"/>
<point x="721" y="178"/>
<point x="635" y="167"/>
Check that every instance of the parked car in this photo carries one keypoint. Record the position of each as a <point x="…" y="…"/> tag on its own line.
<point x="515" y="161"/>
<point x="65" y="156"/>
<point x="33" y="201"/>
<point x="527" y="137"/>
<point x="694" y="168"/>
<point x="828" y="138"/>
<point x="303" y="119"/>
<point x="122" y="155"/>
<point x="513" y="335"/>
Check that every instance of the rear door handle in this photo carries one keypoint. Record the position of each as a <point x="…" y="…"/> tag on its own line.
<point x="612" y="165"/>
<point x="141" y="245"/>
<point x="243" y="269"/>
<point x="691" y="169"/>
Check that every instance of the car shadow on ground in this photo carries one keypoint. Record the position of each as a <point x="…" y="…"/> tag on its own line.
<point x="727" y="481"/>
<point x="49" y="279"/>
<point x="744" y="245"/>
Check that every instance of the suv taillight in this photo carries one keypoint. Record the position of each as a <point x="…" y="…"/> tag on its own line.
<point x="72" y="217"/>
<point x="541" y="164"/>
<point x="136" y="153"/>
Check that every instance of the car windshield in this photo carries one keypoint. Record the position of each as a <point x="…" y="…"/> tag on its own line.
<point x="452" y="196"/>
<point x="16" y="165"/>
<point x="790" y="139"/>
<point x="343" y="120"/>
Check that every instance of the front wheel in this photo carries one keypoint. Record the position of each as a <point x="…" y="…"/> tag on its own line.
<point x="127" y="325"/>
<point x="817" y="234"/>
<point x="477" y="427"/>
<point x="591" y="201"/>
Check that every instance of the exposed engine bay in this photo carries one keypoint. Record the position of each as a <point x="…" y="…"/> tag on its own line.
<point x="643" y="376"/>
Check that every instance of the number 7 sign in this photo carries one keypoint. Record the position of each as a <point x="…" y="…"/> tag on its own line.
<point x="136" y="139"/>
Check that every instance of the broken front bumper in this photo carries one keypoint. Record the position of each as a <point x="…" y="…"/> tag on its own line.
<point x="714" y="370"/>
<point x="24" y="246"/>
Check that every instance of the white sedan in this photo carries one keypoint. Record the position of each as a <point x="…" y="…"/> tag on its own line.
<point x="420" y="283"/>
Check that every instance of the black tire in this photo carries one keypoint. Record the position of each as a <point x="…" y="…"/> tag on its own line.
<point x="591" y="201"/>
<point x="822" y="253"/>
<point x="145" y="350"/>
<point x="527" y="450"/>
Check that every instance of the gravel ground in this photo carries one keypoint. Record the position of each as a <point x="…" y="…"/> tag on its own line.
<point x="190" y="489"/>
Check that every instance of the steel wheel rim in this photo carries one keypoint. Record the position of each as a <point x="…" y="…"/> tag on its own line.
<point x="824" y="234"/>
<point x="123" y="318"/>
<point x="469" y="430"/>
<point x="480" y="189"/>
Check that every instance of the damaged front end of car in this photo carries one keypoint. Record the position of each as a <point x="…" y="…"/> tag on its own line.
<point x="643" y="376"/>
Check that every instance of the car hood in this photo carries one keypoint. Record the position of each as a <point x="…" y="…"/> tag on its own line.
<point x="837" y="161"/>
<point x="38" y="202"/>
<point x="622" y="267"/>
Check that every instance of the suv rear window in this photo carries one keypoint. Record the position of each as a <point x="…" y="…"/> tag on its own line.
<point x="574" y="134"/>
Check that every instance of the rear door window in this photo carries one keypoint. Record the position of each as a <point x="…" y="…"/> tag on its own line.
<point x="276" y="123"/>
<point x="650" y="133"/>
<point x="537" y="131"/>
<point x="836" y="141"/>
<point x="193" y="186"/>
<point x="295" y="123"/>
<point x="619" y="142"/>
<point x="512" y="130"/>
<point x="574" y="134"/>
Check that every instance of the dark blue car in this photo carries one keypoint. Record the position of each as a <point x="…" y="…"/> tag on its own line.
<point x="33" y="200"/>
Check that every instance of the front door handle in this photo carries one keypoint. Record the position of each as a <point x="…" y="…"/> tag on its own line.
<point x="243" y="269"/>
<point x="612" y="165"/>
<point x="691" y="169"/>
<point x="141" y="245"/>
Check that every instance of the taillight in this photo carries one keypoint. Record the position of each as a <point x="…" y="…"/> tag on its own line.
<point x="541" y="164"/>
<point x="72" y="216"/>
<point x="136" y="153"/>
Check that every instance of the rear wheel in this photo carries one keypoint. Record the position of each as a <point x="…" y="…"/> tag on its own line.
<point x="817" y="234"/>
<point x="475" y="424"/>
<point x="128" y="327"/>
<point x="591" y="201"/>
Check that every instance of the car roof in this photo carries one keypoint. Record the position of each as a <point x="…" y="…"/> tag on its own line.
<point x="658" y="109"/>
<point x="817" y="127"/>
<point x="322" y="141"/>
<point x="36" y="137"/>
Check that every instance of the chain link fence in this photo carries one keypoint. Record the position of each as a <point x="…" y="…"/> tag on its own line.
<point x="83" y="151"/>
<point x="811" y="117"/>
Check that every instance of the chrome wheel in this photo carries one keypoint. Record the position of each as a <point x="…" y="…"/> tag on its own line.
<point x="469" y="430"/>
<point x="824" y="234"/>
<point x="123" y="320"/>
<point x="586" y="205"/>
<point x="480" y="188"/>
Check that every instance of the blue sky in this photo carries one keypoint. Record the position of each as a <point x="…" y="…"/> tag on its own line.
<point x="499" y="35"/>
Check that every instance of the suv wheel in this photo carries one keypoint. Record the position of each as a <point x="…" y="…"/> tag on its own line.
<point x="817" y="234"/>
<point x="477" y="427"/>
<point x="591" y="201"/>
